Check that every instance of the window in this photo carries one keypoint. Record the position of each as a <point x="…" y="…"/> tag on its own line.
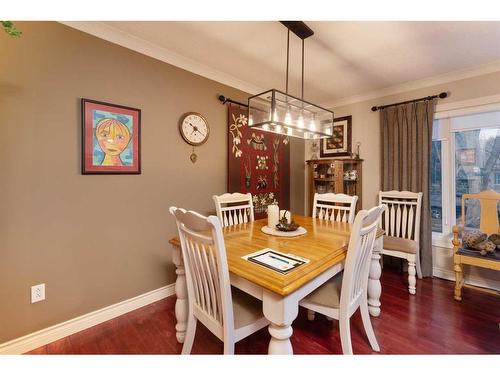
<point x="465" y="158"/>
<point x="476" y="162"/>
<point x="436" y="188"/>
<point x="497" y="178"/>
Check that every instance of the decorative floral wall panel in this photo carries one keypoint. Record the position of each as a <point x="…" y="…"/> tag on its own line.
<point x="258" y="163"/>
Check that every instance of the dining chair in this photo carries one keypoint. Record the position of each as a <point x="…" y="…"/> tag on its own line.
<point x="228" y="313"/>
<point x="334" y="207"/>
<point x="234" y="208"/>
<point x="401" y="223"/>
<point x="341" y="296"/>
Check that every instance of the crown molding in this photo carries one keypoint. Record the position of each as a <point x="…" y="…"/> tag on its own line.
<point x="417" y="84"/>
<point x="127" y="40"/>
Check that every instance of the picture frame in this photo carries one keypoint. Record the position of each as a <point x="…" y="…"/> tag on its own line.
<point x="341" y="142"/>
<point x="111" y="138"/>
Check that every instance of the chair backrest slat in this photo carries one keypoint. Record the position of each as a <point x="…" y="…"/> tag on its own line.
<point x="205" y="262"/>
<point x="404" y="221"/>
<point x="363" y="234"/>
<point x="235" y="208"/>
<point x="488" y="210"/>
<point x="402" y="217"/>
<point x="334" y="207"/>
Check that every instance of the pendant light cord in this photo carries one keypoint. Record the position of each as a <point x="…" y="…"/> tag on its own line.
<point x="287" y="57"/>
<point x="302" y="93"/>
<point x="287" y="64"/>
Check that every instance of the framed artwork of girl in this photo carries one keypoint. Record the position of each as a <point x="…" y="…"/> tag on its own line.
<point x="111" y="138"/>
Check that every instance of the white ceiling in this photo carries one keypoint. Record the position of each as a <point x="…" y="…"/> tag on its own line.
<point x="343" y="59"/>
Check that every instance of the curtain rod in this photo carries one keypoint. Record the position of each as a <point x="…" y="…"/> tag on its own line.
<point x="440" y="96"/>
<point x="225" y="100"/>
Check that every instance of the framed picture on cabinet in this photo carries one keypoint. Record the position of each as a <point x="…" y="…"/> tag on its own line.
<point x="111" y="138"/>
<point x="340" y="142"/>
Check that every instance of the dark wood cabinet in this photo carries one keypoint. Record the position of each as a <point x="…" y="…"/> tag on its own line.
<point x="335" y="176"/>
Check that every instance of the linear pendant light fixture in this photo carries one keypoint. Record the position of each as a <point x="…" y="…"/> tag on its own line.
<point x="278" y="112"/>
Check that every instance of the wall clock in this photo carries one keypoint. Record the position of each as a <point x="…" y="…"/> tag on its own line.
<point x="194" y="130"/>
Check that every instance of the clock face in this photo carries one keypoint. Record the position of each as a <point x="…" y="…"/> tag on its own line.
<point x="194" y="128"/>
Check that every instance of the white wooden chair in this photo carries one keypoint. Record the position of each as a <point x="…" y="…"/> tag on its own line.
<point x="230" y="212"/>
<point x="229" y="314"/>
<point x="341" y="296"/>
<point x="401" y="223"/>
<point x="334" y="207"/>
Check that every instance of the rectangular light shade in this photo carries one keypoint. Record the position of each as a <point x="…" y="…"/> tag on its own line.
<point x="277" y="112"/>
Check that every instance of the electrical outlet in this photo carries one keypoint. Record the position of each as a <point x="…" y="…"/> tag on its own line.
<point x="37" y="293"/>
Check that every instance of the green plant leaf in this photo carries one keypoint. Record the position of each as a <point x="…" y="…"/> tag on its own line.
<point x="10" y="29"/>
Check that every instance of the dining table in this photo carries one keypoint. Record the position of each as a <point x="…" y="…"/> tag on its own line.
<point x="324" y="245"/>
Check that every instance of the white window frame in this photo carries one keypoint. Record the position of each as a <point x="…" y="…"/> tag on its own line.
<point x="445" y="113"/>
<point x="497" y="175"/>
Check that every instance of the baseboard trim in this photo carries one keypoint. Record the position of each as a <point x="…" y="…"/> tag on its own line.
<point x="480" y="282"/>
<point x="45" y="336"/>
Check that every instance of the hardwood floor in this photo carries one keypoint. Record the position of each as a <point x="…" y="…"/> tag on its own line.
<point x="430" y="322"/>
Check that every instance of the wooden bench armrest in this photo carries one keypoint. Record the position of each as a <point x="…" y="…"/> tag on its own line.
<point x="457" y="232"/>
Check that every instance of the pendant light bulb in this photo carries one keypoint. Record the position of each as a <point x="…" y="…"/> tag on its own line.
<point x="312" y="125"/>
<point x="300" y="121"/>
<point x="288" y="117"/>
<point x="275" y="115"/>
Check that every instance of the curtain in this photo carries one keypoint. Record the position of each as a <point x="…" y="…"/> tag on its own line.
<point x="406" y="137"/>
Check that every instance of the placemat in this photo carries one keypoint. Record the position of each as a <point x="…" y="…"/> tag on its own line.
<point x="274" y="232"/>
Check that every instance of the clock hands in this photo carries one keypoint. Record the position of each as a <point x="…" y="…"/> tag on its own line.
<point x="195" y="129"/>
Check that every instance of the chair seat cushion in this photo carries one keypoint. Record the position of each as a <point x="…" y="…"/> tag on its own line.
<point x="246" y="309"/>
<point x="327" y="294"/>
<point x="400" y="244"/>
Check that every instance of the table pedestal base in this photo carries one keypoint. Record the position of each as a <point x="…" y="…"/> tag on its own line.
<point x="374" y="286"/>
<point x="181" y="303"/>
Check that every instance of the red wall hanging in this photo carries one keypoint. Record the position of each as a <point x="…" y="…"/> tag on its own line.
<point x="258" y="163"/>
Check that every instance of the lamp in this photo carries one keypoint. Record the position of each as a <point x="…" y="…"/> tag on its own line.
<point x="279" y="112"/>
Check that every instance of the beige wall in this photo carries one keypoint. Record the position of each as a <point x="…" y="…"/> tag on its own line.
<point x="297" y="176"/>
<point x="94" y="240"/>
<point x="365" y="123"/>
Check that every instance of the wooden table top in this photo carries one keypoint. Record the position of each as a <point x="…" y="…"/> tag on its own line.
<point x="324" y="244"/>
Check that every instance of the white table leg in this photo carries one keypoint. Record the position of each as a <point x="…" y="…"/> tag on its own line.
<point x="374" y="286"/>
<point x="281" y="312"/>
<point x="181" y="304"/>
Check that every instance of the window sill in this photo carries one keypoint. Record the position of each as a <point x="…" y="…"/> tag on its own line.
<point x="442" y="240"/>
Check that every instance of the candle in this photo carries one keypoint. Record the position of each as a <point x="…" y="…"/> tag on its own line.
<point x="273" y="212"/>
<point x="288" y="216"/>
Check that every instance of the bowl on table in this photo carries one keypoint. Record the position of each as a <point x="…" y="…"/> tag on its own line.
<point x="287" y="227"/>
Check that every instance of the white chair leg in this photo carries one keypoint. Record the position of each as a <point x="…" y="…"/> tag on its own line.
<point x="190" y="332"/>
<point x="345" y="335"/>
<point x="229" y="347"/>
<point x="412" y="280"/>
<point x="367" y="324"/>
<point x="310" y="314"/>
<point x="419" y="268"/>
